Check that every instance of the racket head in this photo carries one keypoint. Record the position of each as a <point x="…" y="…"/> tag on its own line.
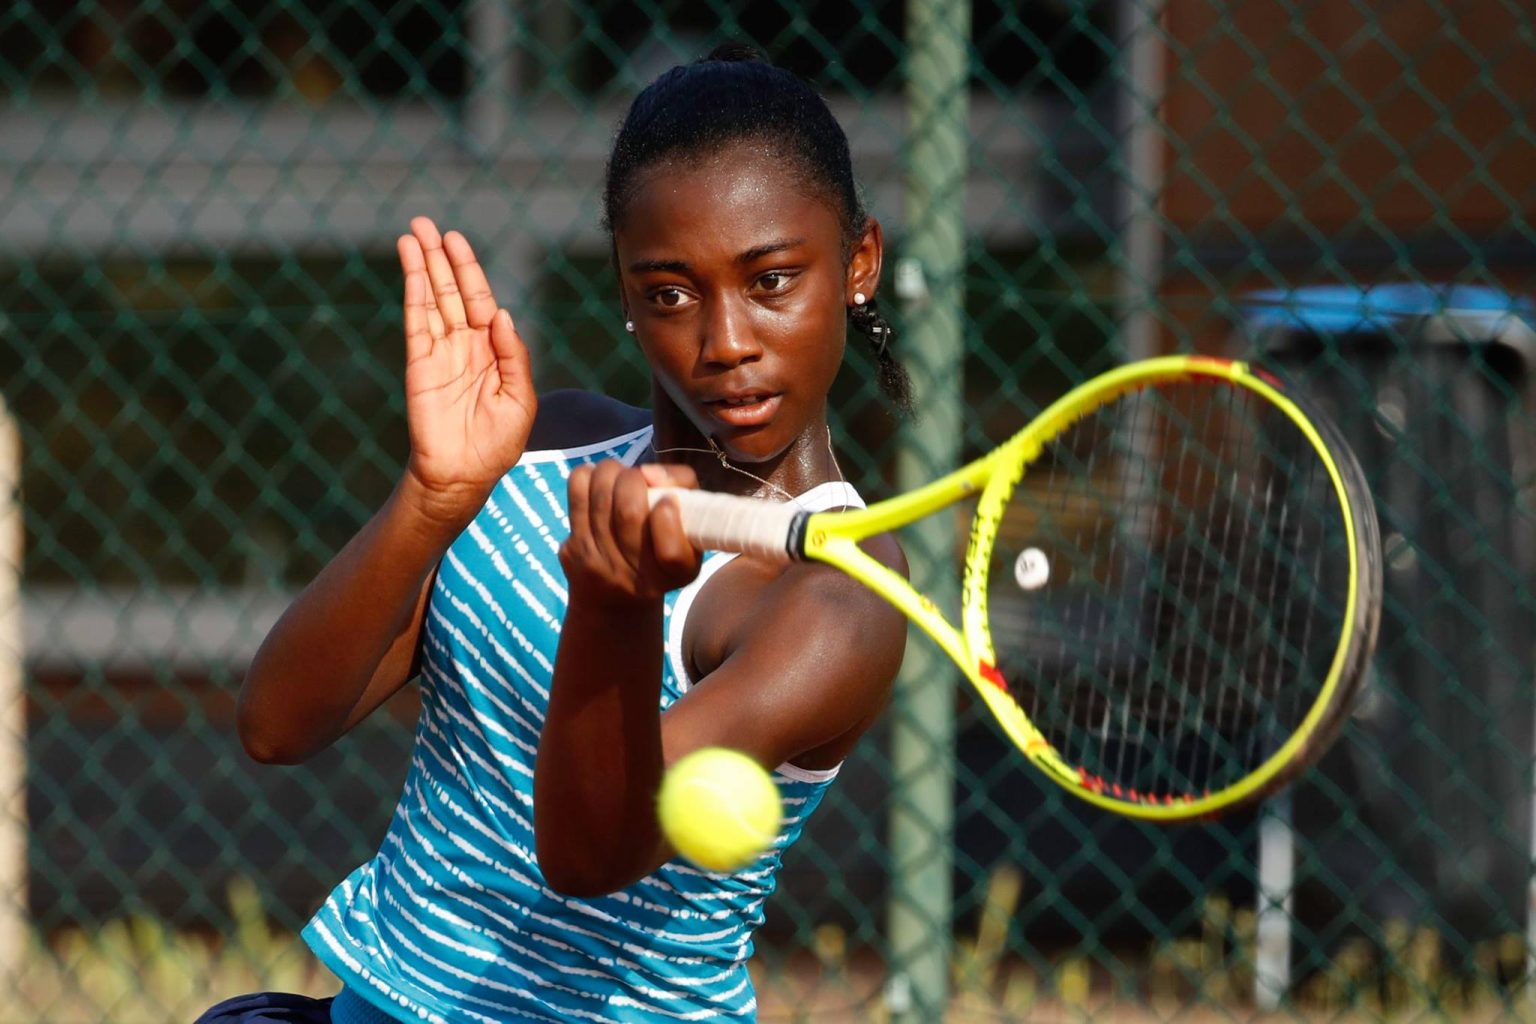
<point x="1139" y="680"/>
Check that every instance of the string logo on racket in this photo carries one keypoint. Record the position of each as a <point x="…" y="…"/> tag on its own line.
<point x="1031" y="570"/>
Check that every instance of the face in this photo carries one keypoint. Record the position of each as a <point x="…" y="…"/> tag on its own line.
<point x="737" y="286"/>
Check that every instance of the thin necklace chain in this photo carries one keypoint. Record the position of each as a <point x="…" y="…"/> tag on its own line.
<point x="719" y="453"/>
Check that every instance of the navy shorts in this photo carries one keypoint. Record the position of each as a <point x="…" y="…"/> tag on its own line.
<point x="269" y="1008"/>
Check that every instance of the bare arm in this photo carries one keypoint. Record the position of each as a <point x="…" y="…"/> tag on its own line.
<point x="349" y="640"/>
<point x="807" y="664"/>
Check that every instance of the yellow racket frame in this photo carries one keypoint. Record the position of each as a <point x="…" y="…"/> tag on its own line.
<point x="833" y="537"/>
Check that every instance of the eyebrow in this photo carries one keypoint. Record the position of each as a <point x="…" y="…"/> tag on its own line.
<point x="645" y="266"/>
<point x="759" y="251"/>
<point x="680" y="266"/>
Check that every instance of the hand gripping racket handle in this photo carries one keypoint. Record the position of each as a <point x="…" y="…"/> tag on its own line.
<point x="725" y="522"/>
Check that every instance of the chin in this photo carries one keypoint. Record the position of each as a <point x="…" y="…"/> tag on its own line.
<point x="753" y="445"/>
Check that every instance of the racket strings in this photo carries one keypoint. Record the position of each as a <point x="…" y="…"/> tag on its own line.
<point x="1180" y="638"/>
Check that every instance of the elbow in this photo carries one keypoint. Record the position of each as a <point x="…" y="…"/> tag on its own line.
<point x="263" y="750"/>
<point x="572" y="868"/>
<point x="264" y="753"/>
<point x="261" y="745"/>
<point x="585" y="852"/>
<point x="575" y="885"/>
<point x="567" y="876"/>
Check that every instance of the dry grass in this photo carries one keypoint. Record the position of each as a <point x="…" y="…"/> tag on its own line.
<point x="136" y="972"/>
<point x="1201" y="979"/>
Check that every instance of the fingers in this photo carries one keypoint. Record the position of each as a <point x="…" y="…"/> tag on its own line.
<point x="653" y="540"/>
<point x="617" y="542"/>
<point x="600" y="511"/>
<point x="629" y="513"/>
<point x="418" y="334"/>
<point x="511" y="355"/>
<point x="573" y="550"/>
<point x="674" y="554"/>
<point x="414" y="265"/>
<point x="592" y="549"/>
<point x="671" y="549"/>
<point x="445" y="287"/>
<point x="474" y="289"/>
<point x="670" y="474"/>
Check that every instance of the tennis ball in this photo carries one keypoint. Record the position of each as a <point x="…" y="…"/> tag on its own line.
<point x="719" y="808"/>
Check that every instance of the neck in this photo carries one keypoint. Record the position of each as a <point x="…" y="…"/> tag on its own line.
<point x="807" y="461"/>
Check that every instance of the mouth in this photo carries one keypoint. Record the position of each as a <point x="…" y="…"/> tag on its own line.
<point x="744" y="409"/>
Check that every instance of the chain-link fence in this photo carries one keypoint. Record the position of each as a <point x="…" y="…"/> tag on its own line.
<point x="201" y="350"/>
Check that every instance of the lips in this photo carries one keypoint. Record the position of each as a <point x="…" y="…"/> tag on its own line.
<point x="744" y="408"/>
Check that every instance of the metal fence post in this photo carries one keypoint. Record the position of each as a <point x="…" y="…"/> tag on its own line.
<point x="14" y="919"/>
<point x="931" y="279"/>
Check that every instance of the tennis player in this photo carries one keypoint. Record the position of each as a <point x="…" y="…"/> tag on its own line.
<point x="569" y="642"/>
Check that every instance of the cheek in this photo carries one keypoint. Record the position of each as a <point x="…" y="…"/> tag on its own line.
<point x="669" y="363"/>
<point x="831" y="358"/>
<point x="822" y="341"/>
<point x="815" y="328"/>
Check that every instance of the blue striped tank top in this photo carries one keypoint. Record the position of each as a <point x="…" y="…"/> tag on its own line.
<point x="452" y="920"/>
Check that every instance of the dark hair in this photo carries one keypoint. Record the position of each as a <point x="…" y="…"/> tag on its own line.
<point x="734" y="95"/>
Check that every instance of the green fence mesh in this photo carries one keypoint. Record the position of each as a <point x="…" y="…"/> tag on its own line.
<point x="200" y="348"/>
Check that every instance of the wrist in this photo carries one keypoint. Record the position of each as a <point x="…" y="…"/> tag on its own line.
<point x="612" y="600"/>
<point x="440" y="509"/>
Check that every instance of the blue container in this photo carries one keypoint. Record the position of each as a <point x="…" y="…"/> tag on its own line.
<point x="1423" y="812"/>
<point x="1470" y="314"/>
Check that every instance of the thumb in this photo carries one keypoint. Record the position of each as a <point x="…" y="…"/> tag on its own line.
<point x="511" y="354"/>
<point x="669" y="474"/>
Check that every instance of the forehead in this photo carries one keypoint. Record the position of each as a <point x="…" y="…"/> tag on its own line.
<point x="727" y="203"/>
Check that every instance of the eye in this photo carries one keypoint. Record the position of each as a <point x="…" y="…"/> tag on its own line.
<point x="669" y="297"/>
<point x="773" y="281"/>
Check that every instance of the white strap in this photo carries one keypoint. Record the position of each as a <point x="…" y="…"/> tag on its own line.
<point x="725" y="522"/>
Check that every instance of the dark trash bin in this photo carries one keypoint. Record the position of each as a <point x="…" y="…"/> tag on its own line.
<point x="1422" y="816"/>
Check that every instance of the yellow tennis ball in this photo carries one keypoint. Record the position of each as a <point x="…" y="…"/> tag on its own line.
<point x="719" y="808"/>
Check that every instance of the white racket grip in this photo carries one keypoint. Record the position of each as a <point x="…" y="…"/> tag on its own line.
<point x="725" y="522"/>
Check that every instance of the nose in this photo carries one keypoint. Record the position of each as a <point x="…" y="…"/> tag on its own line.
<point x="729" y="338"/>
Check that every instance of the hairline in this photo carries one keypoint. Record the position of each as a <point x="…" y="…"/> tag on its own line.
<point x="767" y="143"/>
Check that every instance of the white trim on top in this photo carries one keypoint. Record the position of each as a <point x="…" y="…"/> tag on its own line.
<point x="832" y="494"/>
<point x="555" y="454"/>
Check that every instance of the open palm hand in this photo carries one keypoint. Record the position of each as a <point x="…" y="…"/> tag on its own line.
<point x="468" y="391"/>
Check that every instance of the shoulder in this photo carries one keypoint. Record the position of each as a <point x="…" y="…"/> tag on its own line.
<point x="570" y="418"/>
<point x="755" y="605"/>
<point x="832" y="601"/>
<point x="810" y="649"/>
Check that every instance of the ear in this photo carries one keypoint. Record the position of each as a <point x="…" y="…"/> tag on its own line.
<point x="864" y="262"/>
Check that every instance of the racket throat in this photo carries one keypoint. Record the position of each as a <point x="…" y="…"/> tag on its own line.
<point x="795" y="543"/>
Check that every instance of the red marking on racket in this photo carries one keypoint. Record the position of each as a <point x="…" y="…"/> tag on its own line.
<point x="1098" y="784"/>
<point x="990" y="673"/>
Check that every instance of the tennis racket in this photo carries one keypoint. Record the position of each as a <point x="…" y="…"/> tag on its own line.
<point x="1170" y="592"/>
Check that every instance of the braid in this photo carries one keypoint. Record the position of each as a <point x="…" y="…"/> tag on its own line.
<point x="895" y="383"/>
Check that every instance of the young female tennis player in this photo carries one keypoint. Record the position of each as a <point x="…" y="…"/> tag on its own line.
<point x="570" y="642"/>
